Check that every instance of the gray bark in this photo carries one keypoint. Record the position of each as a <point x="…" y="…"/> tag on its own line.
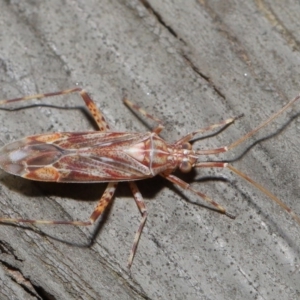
<point x="191" y="64"/>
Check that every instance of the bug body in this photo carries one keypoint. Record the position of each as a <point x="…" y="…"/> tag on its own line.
<point x="109" y="156"/>
<point x="89" y="156"/>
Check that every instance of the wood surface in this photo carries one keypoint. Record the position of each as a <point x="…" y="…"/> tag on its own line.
<point x="191" y="64"/>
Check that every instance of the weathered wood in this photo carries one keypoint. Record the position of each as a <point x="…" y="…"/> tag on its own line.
<point x="191" y="64"/>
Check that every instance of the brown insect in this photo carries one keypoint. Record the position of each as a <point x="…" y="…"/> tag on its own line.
<point x="109" y="156"/>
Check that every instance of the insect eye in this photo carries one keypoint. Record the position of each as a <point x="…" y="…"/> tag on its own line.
<point x="185" y="167"/>
<point x="187" y="146"/>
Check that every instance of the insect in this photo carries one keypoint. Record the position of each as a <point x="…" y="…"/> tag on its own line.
<point x="109" y="156"/>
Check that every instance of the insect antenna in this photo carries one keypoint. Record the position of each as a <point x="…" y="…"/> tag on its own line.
<point x="241" y="174"/>
<point x="266" y="192"/>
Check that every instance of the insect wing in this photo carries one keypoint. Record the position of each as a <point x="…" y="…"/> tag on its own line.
<point x="79" y="157"/>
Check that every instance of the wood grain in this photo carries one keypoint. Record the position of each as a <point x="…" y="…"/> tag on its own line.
<point x="191" y="64"/>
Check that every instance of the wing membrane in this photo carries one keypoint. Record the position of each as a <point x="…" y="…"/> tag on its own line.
<point x="76" y="157"/>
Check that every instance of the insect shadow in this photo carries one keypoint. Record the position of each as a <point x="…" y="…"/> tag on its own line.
<point x="82" y="192"/>
<point x="80" y="108"/>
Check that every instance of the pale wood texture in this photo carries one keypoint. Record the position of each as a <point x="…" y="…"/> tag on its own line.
<point x="190" y="63"/>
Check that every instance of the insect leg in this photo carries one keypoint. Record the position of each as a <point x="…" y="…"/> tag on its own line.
<point x="228" y="122"/>
<point x="186" y="138"/>
<point x="224" y="123"/>
<point x="186" y="186"/>
<point x="254" y="183"/>
<point x="142" y="208"/>
<point x="104" y="201"/>
<point x="97" y="115"/>
<point x="140" y="110"/>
